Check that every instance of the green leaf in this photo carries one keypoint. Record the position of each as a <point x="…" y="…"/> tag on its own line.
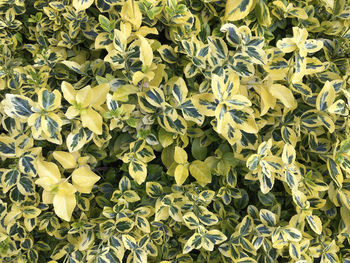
<point x="315" y="224"/>
<point x="26" y="165"/>
<point x="267" y="217"/>
<point x="26" y="185"/>
<point x="9" y="179"/>
<point x="194" y="242"/>
<point x="335" y="172"/>
<point x="154" y="189"/>
<point x="191" y="220"/>
<point x="17" y="106"/>
<point x="246" y="226"/>
<point x="211" y="238"/>
<point x="124" y="225"/>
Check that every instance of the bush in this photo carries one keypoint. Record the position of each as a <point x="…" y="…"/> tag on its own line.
<point x="175" y="131"/>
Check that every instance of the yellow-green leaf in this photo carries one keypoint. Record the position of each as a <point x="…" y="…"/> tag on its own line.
<point x="201" y="172"/>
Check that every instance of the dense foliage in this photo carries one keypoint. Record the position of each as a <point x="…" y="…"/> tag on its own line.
<point x="175" y="131"/>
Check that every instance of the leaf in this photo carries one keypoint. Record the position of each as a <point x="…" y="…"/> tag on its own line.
<point x="49" y="101"/>
<point x="236" y="10"/>
<point x="313" y="45"/>
<point x="67" y="160"/>
<point x="131" y="12"/>
<point x="131" y="196"/>
<point x="247" y="245"/>
<point x="140" y="256"/>
<point x="138" y="171"/>
<point x="262" y="13"/>
<point x="293" y="234"/>
<point x="27" y="165"/>
<point x="146" y="52"/>
<point x="205" y="103"/>
<point x="129" y="242"/>
<point x="180" y="155"/>
<point x="191" y="220"/>
<point x="9" y="179"/>
<point x="190" y="113"/>
<point x="253" y="162"/>
<point x="194" y="242"/>
<point x="283" y="94"/>
<point x="99" y="94"/>
<point x="51" y="125"/>
<point x="326" y="97"/>
<point x="76" y="140"/>
<point x="207" y="218"/>
<point x="286" y="45"/>
<point x="92" y="120"/>
<point x="315" y="224"/>
<point x="266" y="183"/>
<point x="267" y="217"/>
<point x="124" y="225"/>
<point x="211" y="238"/>
<point x="167" y="53"/>
<point x="82" y="4"/>
<point x="246" y="226"/>
<point x="7" y="146"/>
<point x="154" y="189"/>
<point x="294" y="250"/>
<point x="49" y="174"/>
<point x="201" y="172"/>
<point x="181" y="174"/>
<point x="64" y="201"/>
<point x="17" y="106"/>
<point x="68" y="92"/>
<point x="155" y="97"/>
<point x="26" y="185"/>
<point x="143" y="224"/>
<point x="335" y="172"/>
<point x="84" y="179"/>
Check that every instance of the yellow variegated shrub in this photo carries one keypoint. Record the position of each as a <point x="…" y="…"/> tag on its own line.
<point x="175" y="131"/>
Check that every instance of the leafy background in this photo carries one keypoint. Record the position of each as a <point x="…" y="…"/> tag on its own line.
<point x="174" y="131"/>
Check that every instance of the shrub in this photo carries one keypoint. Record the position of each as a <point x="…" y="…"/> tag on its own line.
<point x="175" y="131"/>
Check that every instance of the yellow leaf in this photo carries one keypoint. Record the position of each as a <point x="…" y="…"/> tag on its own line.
<point x="84" y="97"/>
<point x="131" y="12"/>
<point x="181" y="174"/>
<point x="237" y="9"/>
<point x="82" y="4"/>
<point x="66" y="159"/>
<point x="49" y="174"/>
<point x="64" y="201"/>
<point x="47" y="197"/>
<point x="84" y="179"/>
<point x="267" y="101"/>
<point x="201" y="172"/>
<point x="72" y="112"/>
<point x="284" y="94"/>
<point x="146" y="52"/>
<point x="286" y="45"/>
<point x="92" y="120"/>
<point x="180" y="155"/>
<point x="68" y="92"/>
<point x="205" y="103"/>
<point x="99" y="94"/>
